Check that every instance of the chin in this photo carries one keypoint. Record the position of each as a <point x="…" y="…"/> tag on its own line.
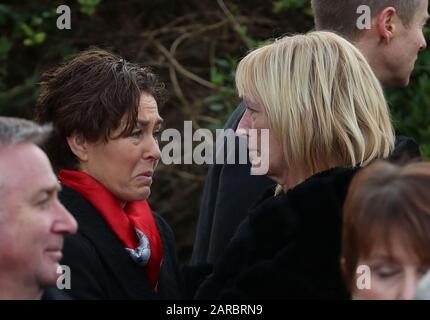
<point x="405" y="83"/>
<point x="142" y="194"/>
<point x="49" y="276"/>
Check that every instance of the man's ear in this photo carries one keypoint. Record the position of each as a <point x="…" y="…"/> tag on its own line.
<point x="386" y="24"/>
<point x="79" y="146"/>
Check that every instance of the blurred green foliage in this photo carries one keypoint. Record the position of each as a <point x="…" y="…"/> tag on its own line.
<point x="29" y="42"/>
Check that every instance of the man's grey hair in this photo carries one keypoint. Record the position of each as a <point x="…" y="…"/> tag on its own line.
<point x="15" y="130"/>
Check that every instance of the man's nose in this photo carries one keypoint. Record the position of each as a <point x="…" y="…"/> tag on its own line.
<point x="423" y="44"/>
<point x="65" y="222"/>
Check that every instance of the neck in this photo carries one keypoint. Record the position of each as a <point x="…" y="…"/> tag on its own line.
<point x="11" y="289"/>
<point x="373" y="56"/>
<point x="287" y="181"/>
<point x="288" y="184"/>
<point x="84" y="169"/>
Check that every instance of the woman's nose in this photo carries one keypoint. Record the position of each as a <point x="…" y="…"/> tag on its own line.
<point x="409" y="286"/>
<point x="244" y="125"/>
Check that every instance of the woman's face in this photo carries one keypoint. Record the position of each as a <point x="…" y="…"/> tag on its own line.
<point x="255" y="117"/>
<point x="392" y="277"/>
<point x="125" y="165"/>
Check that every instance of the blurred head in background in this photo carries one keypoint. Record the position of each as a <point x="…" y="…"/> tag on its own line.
<point x="392" y="39"/>
<point x="33" y="222"/>
<point x="387" y="230"/>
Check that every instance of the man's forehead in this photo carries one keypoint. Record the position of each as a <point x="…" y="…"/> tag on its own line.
<point x="22" y="164"/>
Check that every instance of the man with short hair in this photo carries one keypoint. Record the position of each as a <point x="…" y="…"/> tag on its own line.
<point x="391" y="46"/>
<point x="33" y="222"/>
<point x="395" y="37"/>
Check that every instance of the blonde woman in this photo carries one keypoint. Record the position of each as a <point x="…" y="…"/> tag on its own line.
<point x="327" y="117"/>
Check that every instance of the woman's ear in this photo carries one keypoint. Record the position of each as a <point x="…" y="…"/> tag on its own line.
<point x="79" y="146"/>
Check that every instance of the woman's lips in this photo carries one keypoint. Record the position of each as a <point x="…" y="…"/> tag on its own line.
<point x="145" y="176"/>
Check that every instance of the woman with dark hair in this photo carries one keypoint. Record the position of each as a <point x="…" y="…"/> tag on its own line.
<point x="104" y="112"/>
<point x="386" y="231"/>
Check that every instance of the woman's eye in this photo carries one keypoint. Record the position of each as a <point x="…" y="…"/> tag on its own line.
<point x="387" y="272"/>
<point x="136" y="134"/>
<point x="251" y="113"/>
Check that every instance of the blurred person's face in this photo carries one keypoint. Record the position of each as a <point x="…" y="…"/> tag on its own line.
<point x="125" y="165"/>
<point x="255" y="117"/>
<point x="393" y="277"/>
<point x="401" y="54"/>
<point x="32" y="220"/>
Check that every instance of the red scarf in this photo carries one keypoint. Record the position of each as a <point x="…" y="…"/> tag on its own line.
<point x="122" y="221"/>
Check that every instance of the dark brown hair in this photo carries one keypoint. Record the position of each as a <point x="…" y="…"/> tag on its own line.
<point x="341" y="16"/>
<point x="89" y="95"/>
<point x="384" y="199"/>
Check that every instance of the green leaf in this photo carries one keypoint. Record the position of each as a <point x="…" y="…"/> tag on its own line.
<point x="216" y="107"/>
<point x="36" y="21"/>
<point x="39" y="37"/>
<point x="89" y="6"/>
<point x="28" y="31"/>
<point x="222" y="63"/>
<point x="28" y="42"/>
<point x="217" y="77"/>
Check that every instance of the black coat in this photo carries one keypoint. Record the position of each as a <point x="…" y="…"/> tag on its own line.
<point x="100" y="266"/>
<point x="288" y="247"/>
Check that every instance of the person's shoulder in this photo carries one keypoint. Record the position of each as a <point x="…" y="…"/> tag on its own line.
<point x="76" y="203"/>
<point x="406" y="149"/>
<point x="337" y="177"/>
<point x="312" y="206"/>
<point x="53" y="293"/>
<point x="162" y="224"/>
<point x="325" y="188"/>
<point x="166" y="234"/>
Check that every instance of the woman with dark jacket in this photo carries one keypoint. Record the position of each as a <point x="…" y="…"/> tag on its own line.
<point x="104" y="111"/>
<point x="327" y="117"/>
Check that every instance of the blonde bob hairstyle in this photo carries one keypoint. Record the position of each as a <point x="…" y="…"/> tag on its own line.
<point x="323" y="102"/>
